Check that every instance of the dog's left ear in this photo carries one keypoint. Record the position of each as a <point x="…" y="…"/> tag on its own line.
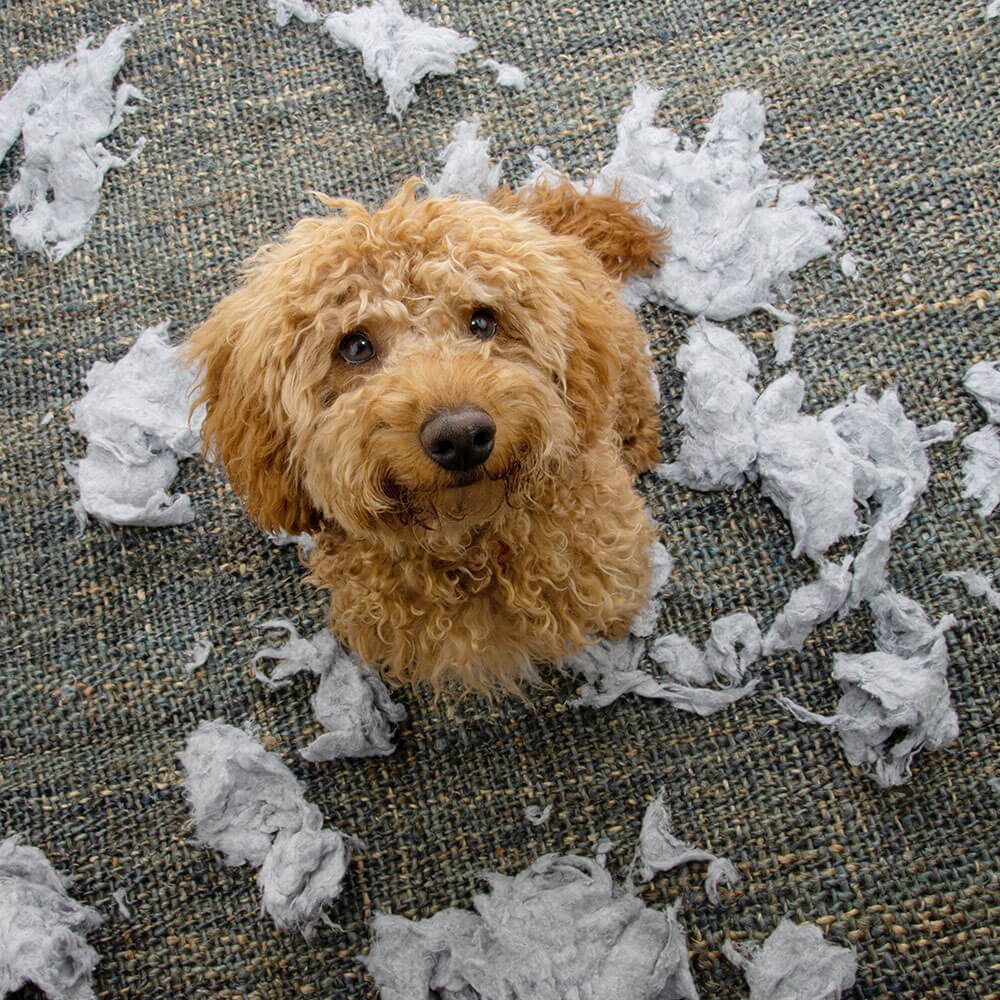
<point x="608" y="226"/>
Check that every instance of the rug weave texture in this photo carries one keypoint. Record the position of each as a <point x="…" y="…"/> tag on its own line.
<point x="893" y="106"/>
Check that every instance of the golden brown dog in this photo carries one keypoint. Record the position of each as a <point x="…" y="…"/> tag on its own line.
<point x="452" y="398"/>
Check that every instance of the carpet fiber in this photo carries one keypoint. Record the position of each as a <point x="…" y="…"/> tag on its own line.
<point x="893" y="107"/>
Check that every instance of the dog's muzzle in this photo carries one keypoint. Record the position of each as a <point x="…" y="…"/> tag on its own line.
<point x="459" y="438"/>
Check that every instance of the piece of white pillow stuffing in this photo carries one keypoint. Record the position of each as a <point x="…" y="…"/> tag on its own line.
<point x="737" y="232"/>
<point x="397" y="50"/>
<point x="507" y="75"/>
<point x="795" y="963"/>
<point x="977" y="585"/>
<point x="135" y="416"/>
<point x="246" y="804"/>
<point x="466" y="167"/>
<point x="560" y="928"/>
<point x="660" y="851"/>
<point x="285" y="10"/>
<point x="351" y="702"/>
<point x="895" y="700"/>
<point x="63" y="110"/>
<point x="41" y="928"/>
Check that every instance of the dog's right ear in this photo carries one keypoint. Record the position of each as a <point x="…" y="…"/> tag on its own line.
<point x="243" y="350"/>
<point x="606" y="224"/>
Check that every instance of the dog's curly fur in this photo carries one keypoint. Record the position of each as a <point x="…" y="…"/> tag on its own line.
<point x="433" y="577"/>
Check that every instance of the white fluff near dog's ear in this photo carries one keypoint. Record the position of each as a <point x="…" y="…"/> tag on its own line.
<point x="135" y="416"/>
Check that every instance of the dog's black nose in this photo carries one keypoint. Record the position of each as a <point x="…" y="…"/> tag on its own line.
<point x="460" y="438"/>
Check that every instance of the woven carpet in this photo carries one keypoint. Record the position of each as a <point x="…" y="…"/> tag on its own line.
<point x="893" y="107"/>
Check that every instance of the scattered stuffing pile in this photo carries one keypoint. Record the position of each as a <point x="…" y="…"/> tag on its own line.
<point x="982" y="467"/>
<point x="41" y="928"/>
<point x="63" y="110"/>
<point x="660" y="851"/>
<point x="135" y="416"/>
<point x="398" y="50"/>
<point x="895" y="700"/>
<point x="737" y="232"/>
<point x="466" y="168"/>
<point x="351" y="702"/>
<point x="795" y="963"/>
<point x="558" y="929"/>
<point x="248" y="805"/>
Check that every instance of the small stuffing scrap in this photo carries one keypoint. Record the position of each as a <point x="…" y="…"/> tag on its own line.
<point x="135" y="416"/>
<point x="660" y="851"/>
<point x="507" y="74"/>
<point x="808" y="606"/>
<point x="896" y="700"/>
<point x="977" y="585"/>
<point x="737" y="232"/>
<point x="246" y="804"/>
<point x="41" y="928"/>
<point x="558" y="929"/>
<point x="351" y="702"/>
<point x="63" y="110"/>
<point x="397" y="50"/>
<point x="467" y="169"/>
<point x="795" y="963"/>
<point x="981" y="468"/>
<point x="285" y="10"/>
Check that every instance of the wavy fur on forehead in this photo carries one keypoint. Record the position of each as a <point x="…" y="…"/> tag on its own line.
<point x="547" y="544"/>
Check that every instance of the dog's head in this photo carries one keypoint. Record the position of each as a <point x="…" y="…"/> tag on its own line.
<point x="426" y="363"/>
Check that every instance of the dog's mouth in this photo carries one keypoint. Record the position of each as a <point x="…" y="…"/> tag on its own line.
<point x="459" y="480"/>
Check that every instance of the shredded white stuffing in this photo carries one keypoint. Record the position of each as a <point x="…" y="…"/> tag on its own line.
<point x="737" y="232"/>
<point x="795" y="963"/>
<point x="537" y="816"/>
<point x="719" y="445"/>
<point x="660" y="851"/>
<point x="285" y="10"/>
<point x="351" y="702"/>
<point x="63" y="110"/>
<point x="467" y="169"/>
<point x="895" y="701"/>
<point x="120" y="896"/>
<point x="558" y="929"/>
<point x="784" y="340"/>
<point x="41" y="928"/>
<point x="849" y="266"/>
<point x="646" y="621"/>
<point x="246" y="804"/>
<point x="135" y="416"/>
<point x="808" y="606"/>
<point x="993" y="9"/>
<point x="982" y="380"/>
<point x="507" y="74"/>
<point x="981" y="469"/>
<point x="977" y="585"/>
<point x="198" y="656"/>
<point x="397" y="50"/>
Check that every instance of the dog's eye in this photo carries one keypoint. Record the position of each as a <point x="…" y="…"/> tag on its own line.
<point x="483" y="324"/>
<point x="356" y="348"/>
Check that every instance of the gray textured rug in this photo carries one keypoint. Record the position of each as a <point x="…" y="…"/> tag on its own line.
<point x="893" y="107"/>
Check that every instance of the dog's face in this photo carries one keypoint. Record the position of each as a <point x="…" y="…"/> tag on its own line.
<point x="422" y="365"/>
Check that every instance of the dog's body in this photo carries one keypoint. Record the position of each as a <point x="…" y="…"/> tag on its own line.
<point x="451" y="397"/>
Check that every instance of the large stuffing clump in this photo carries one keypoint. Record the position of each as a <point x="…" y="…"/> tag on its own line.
<point x="397" y="50"/>
<point x="41" y="928"/>
<point x="248" y="805"/>
<point x="135" y="416"/>
<point x="351" y="702"/>
<point x="737" y="232"/>
<point x="558" y="929"/>
<point x="63" y="110"/>
<point x="795" y="963"/>
<point x="895" y="700"/>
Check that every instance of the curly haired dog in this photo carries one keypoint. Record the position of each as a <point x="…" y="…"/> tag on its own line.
<point x="452" y="398"/>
